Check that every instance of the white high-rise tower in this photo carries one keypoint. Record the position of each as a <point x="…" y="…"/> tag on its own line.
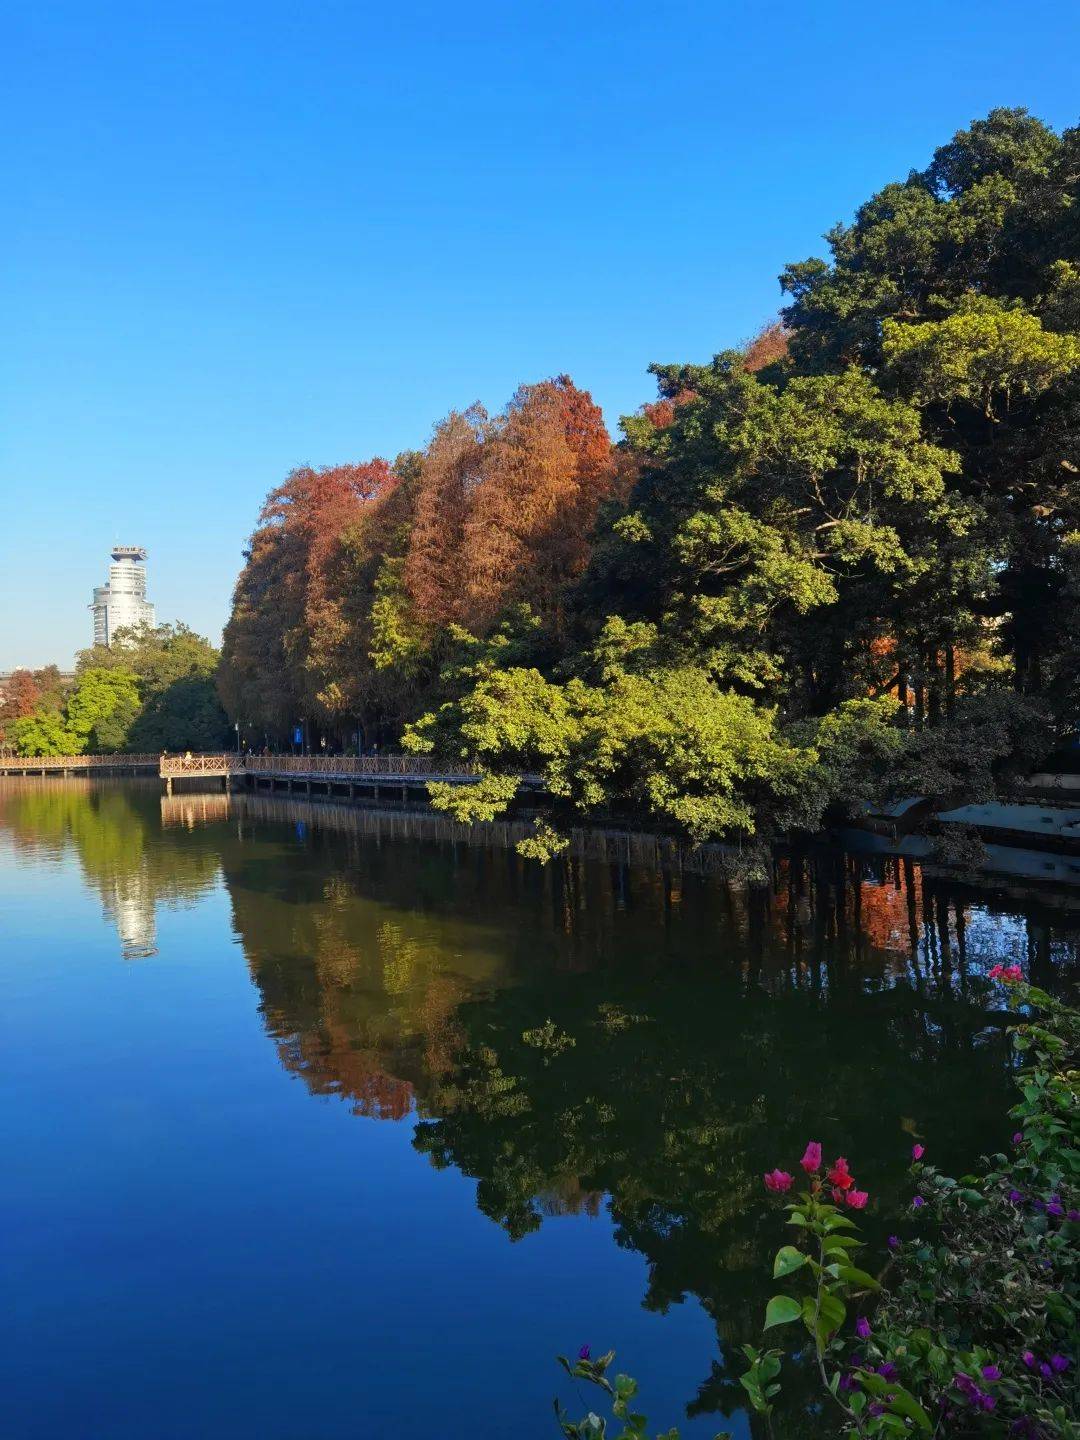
<point x="121" y="602"/>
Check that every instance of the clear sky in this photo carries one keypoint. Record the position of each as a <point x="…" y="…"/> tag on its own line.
<point x="244" y="236"/>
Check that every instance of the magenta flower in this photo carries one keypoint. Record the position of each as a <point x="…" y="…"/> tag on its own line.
<point x="856" y="1199"/>
<point x="917" y="1152"/>
<point x="862" y="1328"/>
<point x="894" y="1242"/>
<point x="887" y="1371"/>
<point x="1028" y="1358"/>
<point x="972" y="1393"/>
<point x="840" y="1176"/>
<point x="811" y="1161"/>
<point x="584" y="1353"/>
<point x="991" y="1373"/>
<point x="778" y="1180"/>
<point x="918" y="1203"/>
<point x="1009" y="974"/>
<point x="1059" y="1363"/>
<point x="1018" y="1138"/>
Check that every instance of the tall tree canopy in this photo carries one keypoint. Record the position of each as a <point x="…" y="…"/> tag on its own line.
<point x="867" y="518"/>
<point x="362" y="583"/>
<point x="837" y="562"/>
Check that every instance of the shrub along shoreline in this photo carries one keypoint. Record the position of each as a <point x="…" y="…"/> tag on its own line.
<point x="968" y="1324"/>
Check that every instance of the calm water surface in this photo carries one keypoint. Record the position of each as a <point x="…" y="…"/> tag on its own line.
<point x="323" y="1123"/>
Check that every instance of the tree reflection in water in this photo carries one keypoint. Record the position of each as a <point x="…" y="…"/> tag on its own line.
<point x="587" y="1035"/>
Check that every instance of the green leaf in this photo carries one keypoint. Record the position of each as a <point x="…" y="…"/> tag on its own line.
<point x="781" y="1310"/>
<point x="832" y="1312"/>
<point x="902" y="1402"/>
<point x="837" y="1244"/>
<point x="838" y="1222"/>
<point x="787" y="1260"/>
<point x="854" y="1276"/>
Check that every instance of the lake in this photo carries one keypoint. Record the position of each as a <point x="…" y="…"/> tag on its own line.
<point x="324" y="1122"/>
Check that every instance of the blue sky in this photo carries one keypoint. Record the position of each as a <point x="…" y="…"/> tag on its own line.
<point x="247" y="236"/>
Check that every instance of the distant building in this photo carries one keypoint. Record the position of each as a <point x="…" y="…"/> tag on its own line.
<point x="121" y="602"/>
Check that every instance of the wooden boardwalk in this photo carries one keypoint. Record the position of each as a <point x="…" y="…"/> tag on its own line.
<point x="345" y="775"/>
<point x="67" y="765"/>
<point x="313" y="774"/>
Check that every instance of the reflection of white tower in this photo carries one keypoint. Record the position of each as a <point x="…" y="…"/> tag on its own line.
<point x="131" y="909"/>
<point x="121" y="602"/>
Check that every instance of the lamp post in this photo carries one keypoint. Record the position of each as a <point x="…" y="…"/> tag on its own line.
<point x="238" y="737"/>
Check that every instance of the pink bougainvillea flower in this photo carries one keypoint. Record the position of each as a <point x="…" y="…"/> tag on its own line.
<point x="856" y="1199"/>
<point x="1012" y="973"/>
<point x="917" y="1152"/>
<point x="1018" y="1138"/>
<point x="837" y="1196"/>
<point x="811" y="1161"/>
<point x="997" y="972"/>
<point x="840" y="1176"/>
<point x="778" y="1180"/>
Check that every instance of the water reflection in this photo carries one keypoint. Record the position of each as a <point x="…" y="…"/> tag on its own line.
<point x="113" y="831"/>
<point x="594" y="1035"/>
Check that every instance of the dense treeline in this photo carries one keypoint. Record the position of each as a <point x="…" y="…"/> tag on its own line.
<point x="366" y="585"/>
<point x="154" y="689"/>
<point x="846" y="557"/>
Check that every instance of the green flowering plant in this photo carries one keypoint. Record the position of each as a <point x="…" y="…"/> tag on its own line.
<point x="970" y="1327"/>
<point x="620" y="1393"/>
<point x="820" y="1268"/>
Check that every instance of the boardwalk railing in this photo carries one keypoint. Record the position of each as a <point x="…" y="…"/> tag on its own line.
<point x="351" y="766"/>
<point x="43" y="763"/>
<point x="315" y="769"/>
<point x="326" y="767"/>
<point x="225" y="764"/>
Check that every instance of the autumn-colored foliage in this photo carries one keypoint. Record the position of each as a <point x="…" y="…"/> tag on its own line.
<point x="288" y="627"/>
<point x="355" y="574"/>
<point x="545" y="467"/>
<point x="21" y="696"/>
<point x="449" y="472"/>
<point x="768" y="346"/>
